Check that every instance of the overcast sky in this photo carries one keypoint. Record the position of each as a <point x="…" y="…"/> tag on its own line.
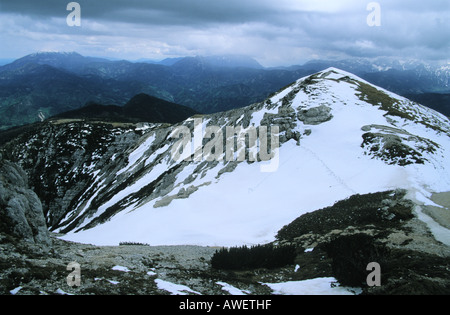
<point x="275" y="32"/>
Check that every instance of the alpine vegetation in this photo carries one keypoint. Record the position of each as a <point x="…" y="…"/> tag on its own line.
<point x="258" y="256"/>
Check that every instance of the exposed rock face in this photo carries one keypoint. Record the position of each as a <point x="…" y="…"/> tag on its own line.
<point x="315" y="115"/>
<point x="285" y="120"/>
<point x="62" y="158"/>
<point x="20" y="208"/>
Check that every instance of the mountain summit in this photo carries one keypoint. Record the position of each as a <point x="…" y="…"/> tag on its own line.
<point x="328" y="136"/>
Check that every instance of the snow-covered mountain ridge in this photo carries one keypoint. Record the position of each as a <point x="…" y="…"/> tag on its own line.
<point x="338" y="136"/>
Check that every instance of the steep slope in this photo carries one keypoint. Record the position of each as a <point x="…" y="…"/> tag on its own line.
<point x="424" y="83"/>
<point x="338" y="135"/>
<point x="436" y="101"/>
<point x="400" y="76"/>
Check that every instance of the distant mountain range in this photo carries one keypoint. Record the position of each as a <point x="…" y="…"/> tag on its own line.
<point x="226" y="61"/>
<point x="45" y="84"/>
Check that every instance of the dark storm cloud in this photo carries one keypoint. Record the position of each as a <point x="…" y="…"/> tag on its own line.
<point x="275" y="32"/>
<point x="151" y="12"/>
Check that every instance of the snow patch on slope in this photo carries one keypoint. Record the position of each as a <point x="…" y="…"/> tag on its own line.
<point x="246" y="206"/>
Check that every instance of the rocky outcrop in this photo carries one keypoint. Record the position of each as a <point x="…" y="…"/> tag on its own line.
<point x="286" y="122"/>
<point x="315" y="115"/>
<point x="381" y="227"/>
<point x="61" y="160"/>
<point x="20" y="208"/>
<point x="396" y="146"/>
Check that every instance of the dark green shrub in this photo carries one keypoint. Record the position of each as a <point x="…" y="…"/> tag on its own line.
<point x="381" y="209"/>
<point x="351" y="254"/>
<point x="133" y="244"/>
<point x="259" y="256"/>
